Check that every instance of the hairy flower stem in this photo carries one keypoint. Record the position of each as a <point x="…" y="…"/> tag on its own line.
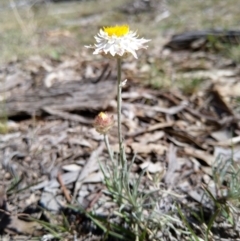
<point x="108" y="147"/>
<point x="119" y="110"/>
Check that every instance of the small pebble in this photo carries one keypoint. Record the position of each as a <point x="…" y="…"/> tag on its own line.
<point x="83" y="193"/>
<point x="7" y="176"/>
<point x="84" y="187"/>
<point x="83" y="201"/>
<point x="28" y="159"/>
<point x="91" y="187"/>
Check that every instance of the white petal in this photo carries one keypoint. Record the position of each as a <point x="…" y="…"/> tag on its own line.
<point x="120" y="46"/>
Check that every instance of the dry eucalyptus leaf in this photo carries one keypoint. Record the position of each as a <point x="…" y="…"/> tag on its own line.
<point x="202" y="155"/>
<point x="152" y="167"/>
<point x="149" y="148"/>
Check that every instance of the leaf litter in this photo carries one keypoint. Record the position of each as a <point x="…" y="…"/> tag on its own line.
<point x="50" y="155"/>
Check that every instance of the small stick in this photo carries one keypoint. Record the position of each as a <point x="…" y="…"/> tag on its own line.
<point x="63" y="188"/>
<point x="95" y="199"/>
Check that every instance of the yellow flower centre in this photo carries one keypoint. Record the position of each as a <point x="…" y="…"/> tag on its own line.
<point x="118" y="31"/>
<point x="102" y="115"/>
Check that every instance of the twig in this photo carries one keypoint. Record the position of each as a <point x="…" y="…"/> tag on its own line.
<point x="67" y="116"/>
<point x="63" y="187"/>
<point x="151" y="128"/>
<point x="95" y="199"/>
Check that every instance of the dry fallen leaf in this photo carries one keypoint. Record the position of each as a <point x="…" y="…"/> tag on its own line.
<point x="202" y="155"/>
<point x="146" y="149"/>
<point x="152" y="167"/>
<point x="17" y="225"/>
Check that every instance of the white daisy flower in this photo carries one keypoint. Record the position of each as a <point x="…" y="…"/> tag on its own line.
<point x="118" y="41"/>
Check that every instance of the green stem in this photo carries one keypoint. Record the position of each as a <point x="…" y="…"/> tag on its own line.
<point x="136" y="230"/>
<point x="119" y="109"/>
<point x="108" y="147"/>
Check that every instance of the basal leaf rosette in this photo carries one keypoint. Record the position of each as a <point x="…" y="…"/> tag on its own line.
<point x="118" y="41"/>
<point x="103" y="122"/>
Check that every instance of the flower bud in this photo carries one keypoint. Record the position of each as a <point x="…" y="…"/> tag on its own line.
<point x="103" y="122"/>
